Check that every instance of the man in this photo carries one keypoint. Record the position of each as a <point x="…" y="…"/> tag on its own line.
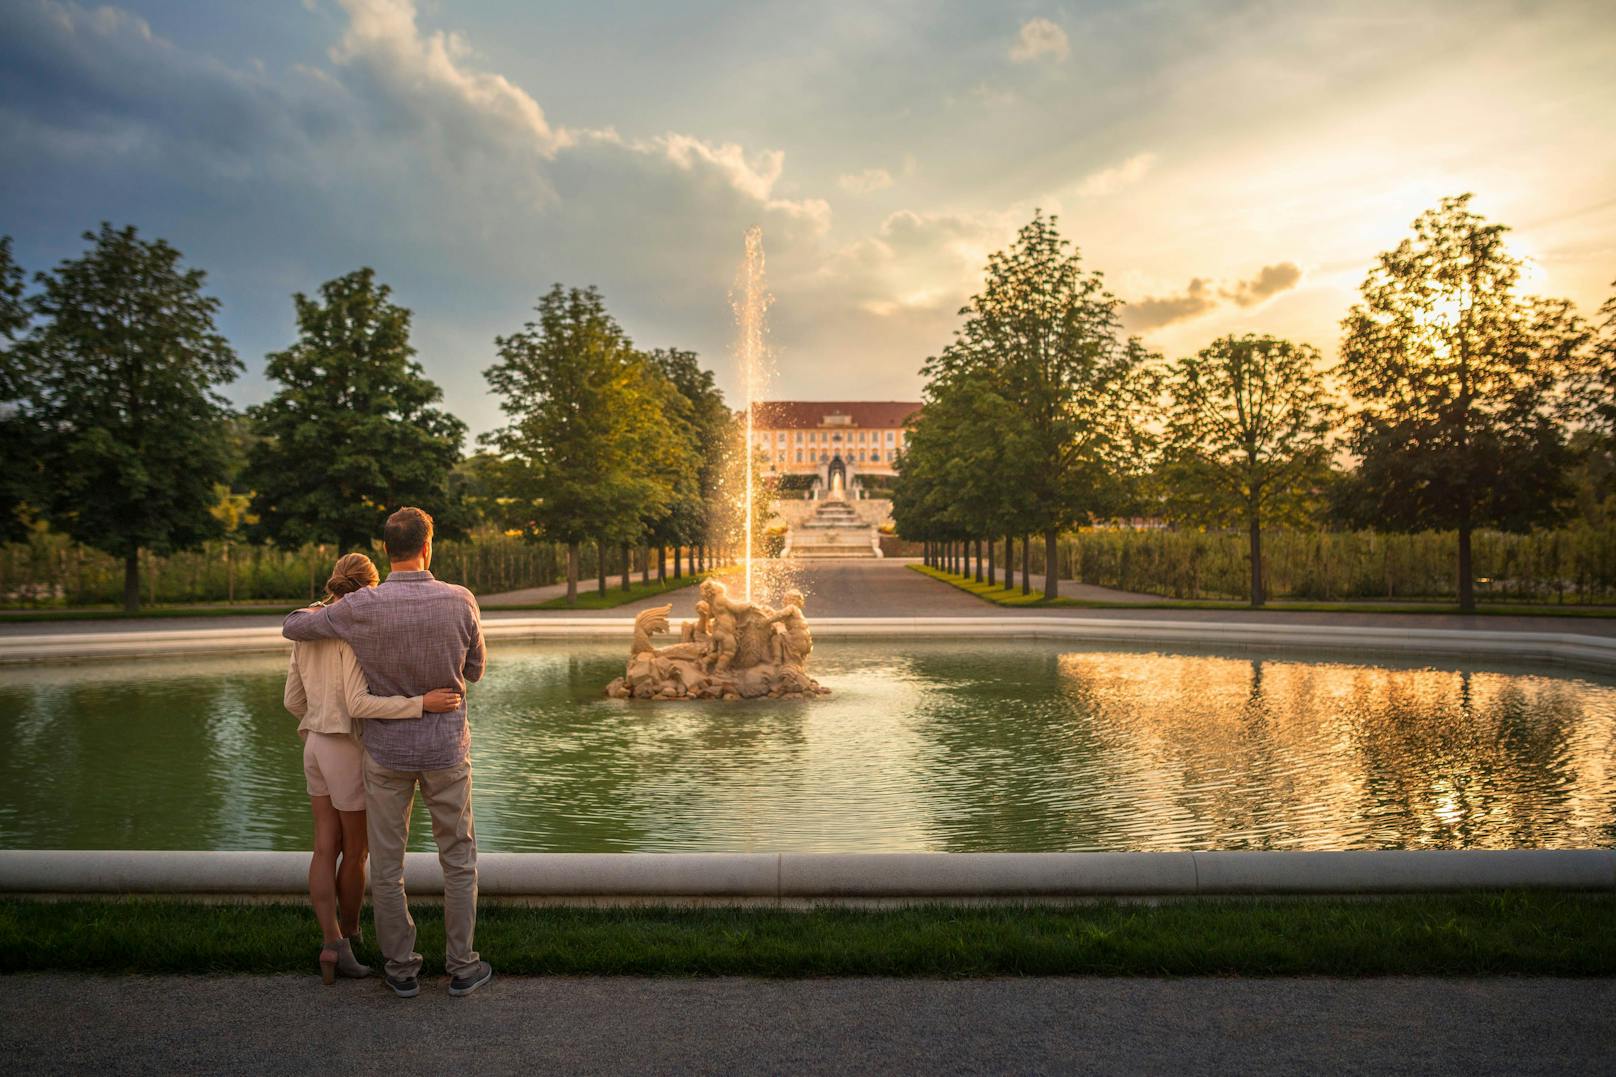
<point x="411" y="634"/>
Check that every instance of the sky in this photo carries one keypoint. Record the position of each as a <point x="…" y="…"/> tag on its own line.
<point x="1229" y="165"/>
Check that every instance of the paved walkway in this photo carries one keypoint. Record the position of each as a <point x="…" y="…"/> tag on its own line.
<point x="290" y="1024"/>
<point x="880" y="588"/>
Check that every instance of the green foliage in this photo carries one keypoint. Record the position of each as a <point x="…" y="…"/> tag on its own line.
<point x="1458" y="417"/>
<point x="705" y="431"/>
<point x="120" y="373"/>
<point x="1247" y="436"/>
<point x="49" y="571"/>
<point x="1572" y="565"/>
<point x="20" y="485"/>
<point x="586" y="422"/>
<point x="352" y="433"/>
<point x="1048" y="336"/>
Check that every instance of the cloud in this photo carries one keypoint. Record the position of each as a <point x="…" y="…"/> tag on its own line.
<point x="1154" y="312"/>
<point x="1040" y="38"/>
<point x="1270" y="280"/>
<point x="429" y="80"/>
<point x="1110" y="180"/>
<point x="1203" y="295"/>
<point x="866" y="182"/>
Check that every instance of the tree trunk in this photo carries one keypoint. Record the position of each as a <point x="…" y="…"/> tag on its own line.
<point x="978" y="560"/>
<point x="1052" y="563"/>
<point x="628" y="583"/>
<point x="131" y="581"/>
<point x="572" y="573"/>
<point x="992" y="582"/>
<point x="1009" y="562"/>
<point x="1026" y="564"/>
<point x="645" y="567"/>
<point x="1467" y="582"/>
<point x="661" y="564"/>
<point x="678" y="564"/>
<point x="1257" y="595"/>
<point x="600" y="567"/>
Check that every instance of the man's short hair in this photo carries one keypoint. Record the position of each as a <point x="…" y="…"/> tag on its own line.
<point x="406" y="533"/>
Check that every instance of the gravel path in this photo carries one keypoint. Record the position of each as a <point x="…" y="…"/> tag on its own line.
<point x="290" y="1024"/>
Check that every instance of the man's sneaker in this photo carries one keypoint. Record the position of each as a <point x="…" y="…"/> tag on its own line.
<point x="408" y="987"/>
<point x="465" y="985"/>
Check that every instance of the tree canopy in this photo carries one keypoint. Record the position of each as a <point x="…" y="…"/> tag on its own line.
<point x="353" y="431"/>
<point x="1047" y="337"/>
<point x="1458" y="386"/>
<point x="588" y="444"/>
<point x="120" y="373"/>
<point x="1247" y="433"/>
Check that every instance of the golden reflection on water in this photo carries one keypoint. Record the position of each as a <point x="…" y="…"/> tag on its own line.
<point x="1253" y="753"/>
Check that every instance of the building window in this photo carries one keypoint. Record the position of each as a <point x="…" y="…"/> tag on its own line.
<point x="889" y="437"/>
<point x="875" y="454"/>
<point x="799" y="456"/>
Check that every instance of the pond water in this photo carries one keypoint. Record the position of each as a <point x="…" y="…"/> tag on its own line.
<point x="1028" y="746"/>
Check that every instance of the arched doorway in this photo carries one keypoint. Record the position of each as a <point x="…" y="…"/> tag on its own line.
<point x="837" y="475"/>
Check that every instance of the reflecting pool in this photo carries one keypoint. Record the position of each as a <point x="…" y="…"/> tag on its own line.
<point x="1023" y="745"/>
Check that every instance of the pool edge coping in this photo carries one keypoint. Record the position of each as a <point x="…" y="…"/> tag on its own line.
<point x="1568" y="648"/>
<point x="786" y="878"/>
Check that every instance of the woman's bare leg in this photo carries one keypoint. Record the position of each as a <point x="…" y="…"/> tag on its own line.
<point x="323" y="866"/>
<point x="351" y="873"/>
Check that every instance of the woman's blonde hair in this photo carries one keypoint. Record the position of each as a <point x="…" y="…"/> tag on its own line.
<point x="352" y="571"/>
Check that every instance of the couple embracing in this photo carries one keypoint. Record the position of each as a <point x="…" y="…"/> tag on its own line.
<point x="378" y="678"/>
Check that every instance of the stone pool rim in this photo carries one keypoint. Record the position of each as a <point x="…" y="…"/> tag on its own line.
<point x="1589" y="652"/>
<point x="771" y="878"/>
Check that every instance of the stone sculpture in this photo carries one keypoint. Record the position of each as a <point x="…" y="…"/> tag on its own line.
<point x="733" y="650"/>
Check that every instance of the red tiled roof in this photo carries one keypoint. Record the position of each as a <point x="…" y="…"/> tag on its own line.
<point x="811" y="414"/>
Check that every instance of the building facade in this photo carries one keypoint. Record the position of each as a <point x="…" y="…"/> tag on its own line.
<point x="831" y="443"/>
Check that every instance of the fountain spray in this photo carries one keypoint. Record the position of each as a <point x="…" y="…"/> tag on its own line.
<point x="751" y="300"/>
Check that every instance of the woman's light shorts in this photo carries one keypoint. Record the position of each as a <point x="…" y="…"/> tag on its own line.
<point x="333" y="763"/>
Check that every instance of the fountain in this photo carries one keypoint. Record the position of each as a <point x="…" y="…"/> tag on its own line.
<point x="736" y="648"/>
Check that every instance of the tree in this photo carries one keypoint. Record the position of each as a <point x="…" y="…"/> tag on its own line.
<point x="1457" y="385"/>
<point x="1247" y="435"/>
<point x="353" y="432"/>
<point x="1049" y="336"/>
<point x="122" y="367"/>
<point x="704" y="428"/>
<point x="19" y="442"/>
<point x="966" y="442"/>
<point x="586" y="425"/>
<point x="1595" y="388"/>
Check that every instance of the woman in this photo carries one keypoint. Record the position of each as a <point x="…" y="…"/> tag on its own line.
<point x="326" y="689"/>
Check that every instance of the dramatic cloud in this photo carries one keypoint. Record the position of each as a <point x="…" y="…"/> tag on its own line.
<point x="866" y="182"/>
<point x="1202" y="295"/>
<point x="1039" y="39"/>
<point x="428" y="81"/>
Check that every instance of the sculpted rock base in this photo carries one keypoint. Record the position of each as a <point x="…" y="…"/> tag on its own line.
<point x="733" y="650"/>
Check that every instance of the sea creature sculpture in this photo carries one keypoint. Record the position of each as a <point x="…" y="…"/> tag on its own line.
<point x="733" y="650"/>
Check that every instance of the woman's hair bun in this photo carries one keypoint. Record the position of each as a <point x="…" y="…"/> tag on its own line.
<point x="352" y="572"/>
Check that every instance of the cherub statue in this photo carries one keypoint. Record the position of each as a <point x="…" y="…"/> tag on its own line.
<point x="701" y="628"/>
<point x="724" y="637"/>
<point x="791" y="642"/>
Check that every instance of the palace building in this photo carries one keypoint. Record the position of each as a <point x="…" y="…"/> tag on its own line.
<point x="830" y="443"/>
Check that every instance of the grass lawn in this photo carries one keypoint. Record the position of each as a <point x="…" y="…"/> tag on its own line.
<point x="1450" y="935"/>
<point x="1000" y="596"/>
